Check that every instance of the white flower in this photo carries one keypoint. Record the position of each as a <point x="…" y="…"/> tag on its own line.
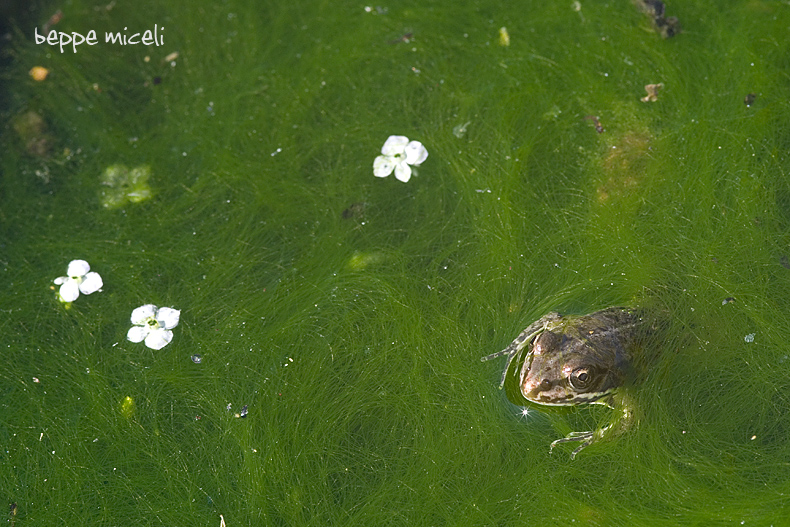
<point x="79" y="279"/>
<point x="397" y="154"/>
<point x="153" y="325"/>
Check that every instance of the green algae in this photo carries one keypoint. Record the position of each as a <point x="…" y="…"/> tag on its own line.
<point x="349" y="312"/>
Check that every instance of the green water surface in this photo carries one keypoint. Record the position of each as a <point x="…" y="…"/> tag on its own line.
<point x="348" y="312"/>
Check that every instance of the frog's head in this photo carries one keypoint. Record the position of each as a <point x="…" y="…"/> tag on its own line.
<point x="564" y="370"/>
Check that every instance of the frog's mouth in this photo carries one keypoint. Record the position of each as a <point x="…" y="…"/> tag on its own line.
<point x="559" y="393"/>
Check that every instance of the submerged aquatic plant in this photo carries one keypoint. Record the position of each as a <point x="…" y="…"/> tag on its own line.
<point x="121" y="185"/>
<point x="79" y="279"/>
<point x="399" y="154"/>
<point x="153" y="325"/>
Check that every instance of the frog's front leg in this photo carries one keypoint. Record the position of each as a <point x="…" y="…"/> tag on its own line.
<point x="523" y="339"/>
<point x="617" y="426"/>
<point x="586" y="439"/>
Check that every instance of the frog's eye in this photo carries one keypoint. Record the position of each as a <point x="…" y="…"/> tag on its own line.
<point x="581" y="379"/>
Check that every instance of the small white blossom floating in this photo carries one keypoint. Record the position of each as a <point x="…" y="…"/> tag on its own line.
<point x="153" y="325"/>
<point x="80" y="279"/>
<point x="399" y="154"/>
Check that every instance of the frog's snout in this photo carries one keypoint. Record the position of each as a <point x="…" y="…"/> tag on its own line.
<point x="545" y="391"/>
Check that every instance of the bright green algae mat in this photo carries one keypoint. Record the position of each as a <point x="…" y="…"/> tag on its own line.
<point x="349" y="312"/>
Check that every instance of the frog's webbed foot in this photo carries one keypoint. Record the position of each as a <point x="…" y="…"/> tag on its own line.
<point x="521" y="342"/>
<point x="585" y="439"/>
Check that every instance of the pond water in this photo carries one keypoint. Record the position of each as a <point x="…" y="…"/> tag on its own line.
<point x="325" y="368"/>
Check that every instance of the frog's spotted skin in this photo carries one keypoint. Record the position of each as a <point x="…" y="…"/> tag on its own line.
<point x="570" y="360"/>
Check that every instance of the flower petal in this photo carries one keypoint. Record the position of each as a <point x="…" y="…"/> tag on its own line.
<point x="61" y="280"/>
<point x="137" y="333"/>
<point x="403" y="172"/>
<point x="394" y="145"/>
<point x="168" y="317"/>
<point x="415" y="153"/>
<point x="141" y="315"/>
<point x="158" y="338"/>
<point x="69" y="291"/>
<point x="383" y="166"/>
<point x="78" y="268"/>
<point x="91" y="283"/>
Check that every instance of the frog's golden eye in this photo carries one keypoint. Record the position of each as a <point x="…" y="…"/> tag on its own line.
<point x="581" y="379"/>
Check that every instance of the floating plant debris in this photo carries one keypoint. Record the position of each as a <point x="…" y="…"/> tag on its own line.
<point x="54" y="19"/>
<point x="504" y="37"/>
<point x="128" y="407"/>
<point x="652" y="92"/>
<point x="667" y="26"/>
<point x="406" y="37"/>
<point x="460" y="130"/>
<point x="121" y="185"/>
<point x="32" y="131"/>
<point x="355" y="210"/>
<point x="596" y="122"/>
<point x="39" y="73"/>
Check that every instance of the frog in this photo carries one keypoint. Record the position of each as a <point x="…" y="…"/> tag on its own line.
<point x="571" y="360"/>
